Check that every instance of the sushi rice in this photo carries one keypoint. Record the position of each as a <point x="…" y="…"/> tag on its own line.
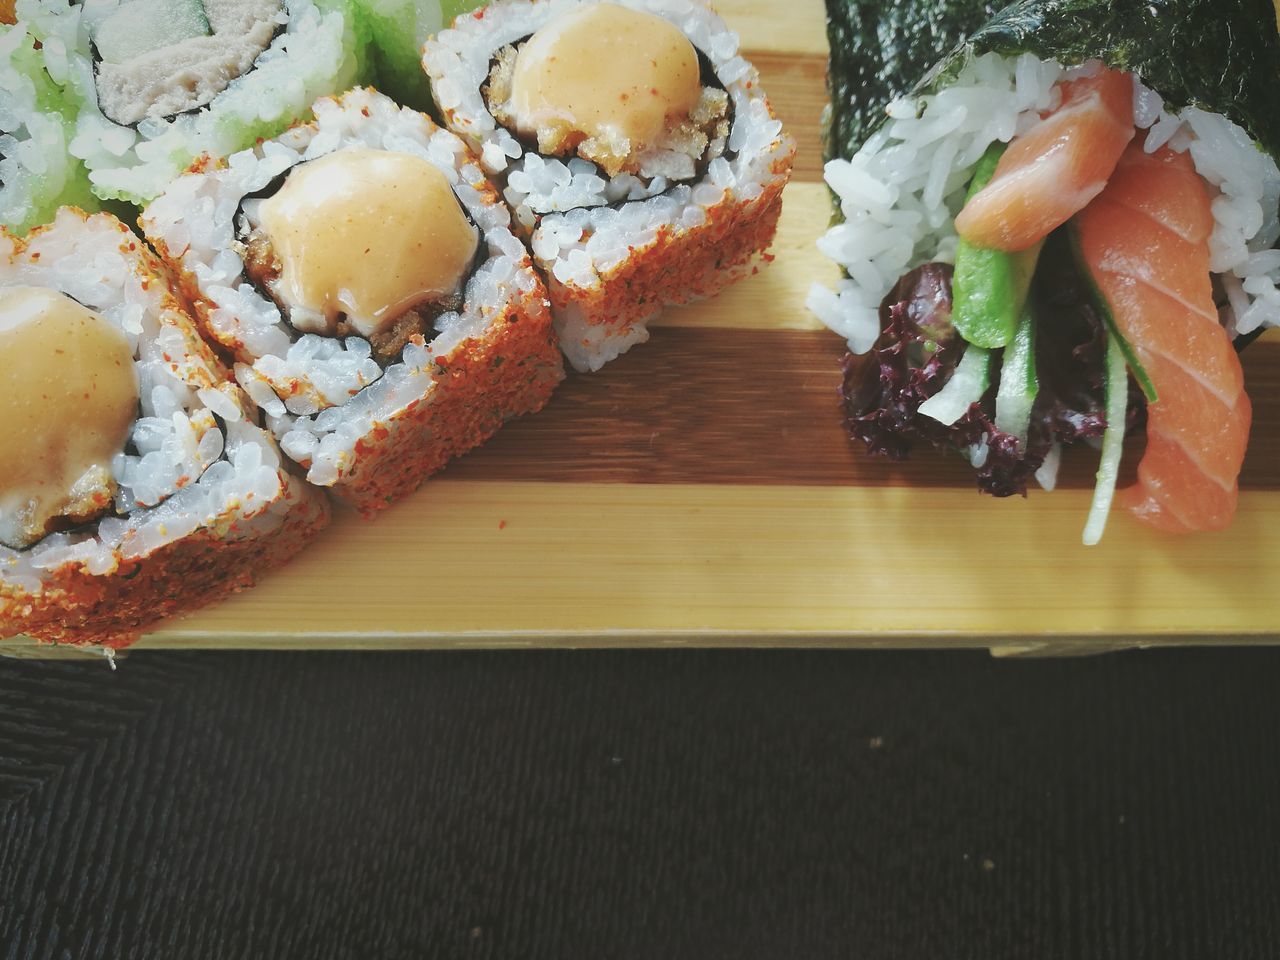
<point x="204" y="502"/>
<point x="37" y="122"/>
<point x="615" y="250"/>
<point x="371" y="433"/>
<point x="399" y="28"/>
<point x="900" y="193"/>
<point x="318" y="50"/>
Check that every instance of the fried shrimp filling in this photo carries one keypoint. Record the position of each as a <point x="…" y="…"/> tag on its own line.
<point x="66" y="410"/>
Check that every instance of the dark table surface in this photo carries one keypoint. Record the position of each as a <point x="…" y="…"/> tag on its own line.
<point x="641" y="804"/>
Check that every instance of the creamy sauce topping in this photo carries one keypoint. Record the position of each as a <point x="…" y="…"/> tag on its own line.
<point x="68" y="397"/>
<point x="366" y="233"/>
<point x="605" y="71"/>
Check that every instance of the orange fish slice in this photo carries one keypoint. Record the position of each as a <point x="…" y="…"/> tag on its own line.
<point x="1052" y="171"/>
<point x="1146" y="242"/>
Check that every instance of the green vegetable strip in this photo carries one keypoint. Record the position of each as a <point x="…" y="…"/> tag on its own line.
<point x="141" y="26"/>
<point x="1018" y="382"/>
<point x="968" y="383"/>
<point x="1109" y="318"/>
<point x="989" y="287"/>
<point x="1112" y="443"/>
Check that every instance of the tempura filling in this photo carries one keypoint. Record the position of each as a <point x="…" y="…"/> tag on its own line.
<point x="66" y="411"/>
<point x="361" y="243"/>
<point x="161" y="58"/>
<point x="638" y="99"/>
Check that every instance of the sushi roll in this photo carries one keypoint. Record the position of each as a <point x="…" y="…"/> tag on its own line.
<point x="634" y="145"/>
<point x="398" y="29"/>
<point x="161" y="82"/>
<point x="37" y="121"/>
<point x="1064" y="233"/>
<point x="137" y="484"/>
<point x="362" y="272"/>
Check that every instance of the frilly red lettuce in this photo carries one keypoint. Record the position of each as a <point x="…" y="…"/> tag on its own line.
<point x="917" y="352"/>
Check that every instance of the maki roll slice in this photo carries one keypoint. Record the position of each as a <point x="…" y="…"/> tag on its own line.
<point x="137" y="484"/>
<point x="161" y="82"/>
<point x="363" y="273"/>
<point x="1064" y="233"/>
<point x="37" y="121"/>
<point x="398" y="29"/>
<point x="634" y="144"/>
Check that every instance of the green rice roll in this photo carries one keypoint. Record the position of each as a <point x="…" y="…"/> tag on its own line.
<point x="399" y="28"/>
<point x="165" y="81"/>
<point x="37" y="122"/>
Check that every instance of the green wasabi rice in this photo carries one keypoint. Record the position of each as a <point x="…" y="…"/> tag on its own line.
<point x="322" y="50"/>
<point x="399" y="28"/>
<point x="37" y="173"/>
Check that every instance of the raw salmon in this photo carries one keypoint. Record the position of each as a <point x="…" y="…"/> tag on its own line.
<point x="1146" y="241"/>
<point x="1052" y="171"/>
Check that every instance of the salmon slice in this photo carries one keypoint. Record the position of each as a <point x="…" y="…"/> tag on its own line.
<point x="1146" y="241"/>
<point x="1052" y="171"/>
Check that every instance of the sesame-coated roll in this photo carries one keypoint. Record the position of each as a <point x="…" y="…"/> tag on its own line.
<point x="363" y="273"/>
<point x="634" y="144"/>
<point x="137" y="484"/>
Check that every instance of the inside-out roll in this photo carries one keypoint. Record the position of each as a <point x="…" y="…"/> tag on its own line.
<point x="398" y="29"/>
<point x="161" y="82"/>
<point x="632" y="141"/>
<point x="1063" y="232"/>
<point x="137" y="482"/>
<point x="37" y="122"/>
<point x="363" y="273"/>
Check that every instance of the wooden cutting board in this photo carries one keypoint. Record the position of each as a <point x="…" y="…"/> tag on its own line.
<point x="700" y="490"/>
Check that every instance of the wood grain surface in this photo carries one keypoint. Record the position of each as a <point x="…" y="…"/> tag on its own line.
<point x="700" y="490"/>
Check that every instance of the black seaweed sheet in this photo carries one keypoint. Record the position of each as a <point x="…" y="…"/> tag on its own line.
<point x="879" y="50"/>
<point x="1222" y="55"/>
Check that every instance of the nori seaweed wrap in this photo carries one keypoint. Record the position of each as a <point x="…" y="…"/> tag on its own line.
<point x="1058" y="234"/>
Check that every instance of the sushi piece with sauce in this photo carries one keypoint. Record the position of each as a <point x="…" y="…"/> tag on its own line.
<point x="137" y="483"/>
<point x="37" y="121"/>
<point x="632" y="141"/>
<point x="161" y="82"/>
<point x="363" y="273"/>
<point x="1065" y="233"/>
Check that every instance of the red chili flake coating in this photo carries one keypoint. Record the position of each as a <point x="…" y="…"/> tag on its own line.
<point x="223" y="557"/>
<point x="680" y="265"/>
<point x="112" y="610"/>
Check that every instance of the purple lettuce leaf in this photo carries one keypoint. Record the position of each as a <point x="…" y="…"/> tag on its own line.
<point x="918" y="350"/>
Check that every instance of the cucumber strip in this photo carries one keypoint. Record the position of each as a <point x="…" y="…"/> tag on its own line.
<point x="1109" y="318"/>
<point x="1112" y="443"/>
<point x="1018" y="382"/>
<point x="138" y="27"/>
<point x="1047" y="475"/>
<point x="989" y="287"/>
<point x="968" y="383"/>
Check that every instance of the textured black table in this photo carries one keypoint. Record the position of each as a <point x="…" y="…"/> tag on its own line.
<point x="647" y="805"/>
